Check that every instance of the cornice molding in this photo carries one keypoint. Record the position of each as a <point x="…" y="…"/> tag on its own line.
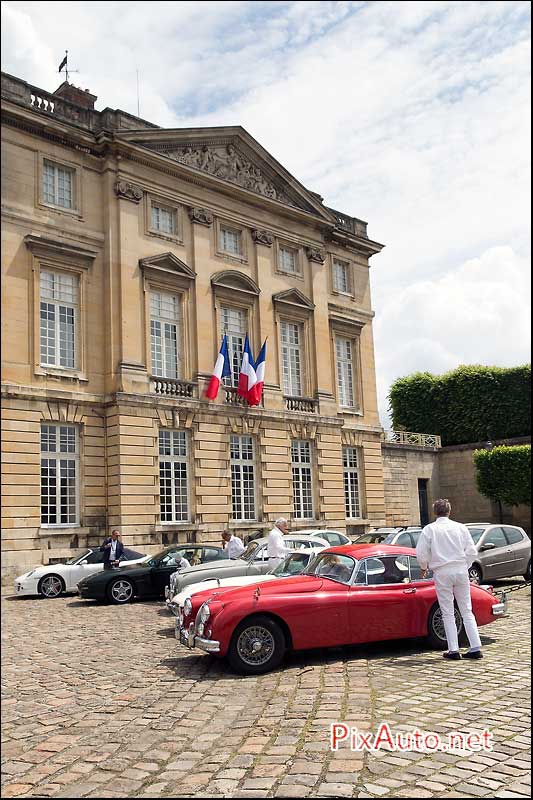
<point x="43" y="247"/>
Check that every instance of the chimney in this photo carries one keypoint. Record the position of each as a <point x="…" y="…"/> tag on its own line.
<point x="81" y="97"/>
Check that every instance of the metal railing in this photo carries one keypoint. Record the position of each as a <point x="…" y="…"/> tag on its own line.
<point x="307" y="404"/>
<point x="172" y="388"/>
<point x="407" y="437"/>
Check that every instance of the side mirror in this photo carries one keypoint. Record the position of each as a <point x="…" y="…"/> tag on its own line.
<point x="488" y="546"/>
<point x="82" y="563"/>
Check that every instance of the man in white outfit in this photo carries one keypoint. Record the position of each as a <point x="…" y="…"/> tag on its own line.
<point x="232" y="545"/>
<point x="276" y="549"/>
<point x="446" y="547"/>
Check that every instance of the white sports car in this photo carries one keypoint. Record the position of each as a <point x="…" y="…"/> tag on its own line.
<point x="54" y="579"/>
<point x="293" y="564"/>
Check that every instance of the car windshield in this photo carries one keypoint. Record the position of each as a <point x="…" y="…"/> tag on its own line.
<point x="371" y="538"/>
<point x="78" y="558"/>
<point x="476" y="533"/>
<point x="249" y="553"/>
<point x="292" y="565"/>
<point x="334" y="566"/>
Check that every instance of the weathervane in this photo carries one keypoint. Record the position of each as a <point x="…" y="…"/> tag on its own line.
<point x="64" y="64"/>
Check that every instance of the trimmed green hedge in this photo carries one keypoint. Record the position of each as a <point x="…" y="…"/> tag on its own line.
<point x="469" y="404"/>
<point x="504" y="473"/>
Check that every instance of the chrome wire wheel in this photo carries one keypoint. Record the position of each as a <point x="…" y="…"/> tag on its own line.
<point x="51" y="586"/>
<point x="121" y="591"/>
<point x="255" y="645"/>
<point x="437" y="624"/>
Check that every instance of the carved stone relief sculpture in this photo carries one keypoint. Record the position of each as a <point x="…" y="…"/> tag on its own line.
<point x="229" y="165"/>
<point x="314" y="254"/>
<point x="128" y="191"/>
<point x="262" y="237"/>
<point x="201" y="216"/>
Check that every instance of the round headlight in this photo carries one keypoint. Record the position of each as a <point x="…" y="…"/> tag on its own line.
<point x="204" y="613"/>
<point x="187" y="607"/>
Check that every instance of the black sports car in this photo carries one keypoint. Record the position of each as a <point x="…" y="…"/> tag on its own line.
<point x="148" y="578"/>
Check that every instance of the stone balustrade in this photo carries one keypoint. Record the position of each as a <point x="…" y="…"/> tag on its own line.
<point x="306" y="404"/>
<point x="172" y="388"/>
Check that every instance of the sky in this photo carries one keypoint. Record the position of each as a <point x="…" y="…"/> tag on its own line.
<point x="413" y="116"/>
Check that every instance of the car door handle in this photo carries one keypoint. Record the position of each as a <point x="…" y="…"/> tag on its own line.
<point x="409" y="591"/>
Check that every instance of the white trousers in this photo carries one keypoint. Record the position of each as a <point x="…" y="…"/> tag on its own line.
<point x="274" y="561"/>
<point x="452" y="582"/>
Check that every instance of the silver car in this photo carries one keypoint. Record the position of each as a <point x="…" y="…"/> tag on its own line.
<point x="503" y="552"/>
<point x="403" y="538"/>
<point x="253" y="561"/>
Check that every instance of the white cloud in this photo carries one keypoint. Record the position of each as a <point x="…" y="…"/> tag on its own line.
<point x="470" y="315"/>
<point x="411" y="115"/>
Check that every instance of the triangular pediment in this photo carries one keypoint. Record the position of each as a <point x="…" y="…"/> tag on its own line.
<point x="293" y="297"/>
<point x="232" y="156"/>
<point x="235" y="281"/>
<point x="167" y="262"/>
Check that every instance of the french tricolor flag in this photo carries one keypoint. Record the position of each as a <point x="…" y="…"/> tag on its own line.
<point x="222" y="370"/>
<point x="247" y="377"/>
<point x="255" y="393"/>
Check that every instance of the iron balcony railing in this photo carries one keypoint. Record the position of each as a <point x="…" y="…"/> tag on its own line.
<point x="407" y="437"/>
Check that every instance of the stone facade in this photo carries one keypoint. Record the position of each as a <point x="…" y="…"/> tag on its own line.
<point x="232" y="216"/>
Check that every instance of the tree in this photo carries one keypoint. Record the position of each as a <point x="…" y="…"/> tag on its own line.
<point x="504" y="474"/>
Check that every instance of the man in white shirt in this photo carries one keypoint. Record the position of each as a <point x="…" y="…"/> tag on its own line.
<point x="446" y="547"/>
<point x="233" y="546"/>
<point x="276" y="549"/>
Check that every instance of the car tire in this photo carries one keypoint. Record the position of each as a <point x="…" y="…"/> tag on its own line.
<point x="527" y="573"/>
<point x="257" y="645"/>
<point x="51" y="586"/>
<point x="475" y="574"/>
<point x="120" y="591"/>
<point x="436" y="633"/>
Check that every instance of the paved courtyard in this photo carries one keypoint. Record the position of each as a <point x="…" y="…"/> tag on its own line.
<point x="100" y="701"/>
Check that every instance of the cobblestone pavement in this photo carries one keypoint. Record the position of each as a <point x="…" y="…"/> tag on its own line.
<point x="99" y="701"/>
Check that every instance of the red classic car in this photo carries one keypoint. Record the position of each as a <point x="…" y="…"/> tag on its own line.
<point x="349" y="595"/>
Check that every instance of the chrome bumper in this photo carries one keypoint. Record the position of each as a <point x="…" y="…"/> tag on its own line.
<point x="500" y="609"/>
<point x="172" y="607"/>
<point x="188" y="638"/>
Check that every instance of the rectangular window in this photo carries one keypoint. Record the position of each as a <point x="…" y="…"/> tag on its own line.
<point x="58" y="185"/>
<point x="163" y="219"/>
<point x="165" y="319"/>
<point x="345" y="371"/>
<point x="302" y="481"/>
<point x="291" y="358"/>
<point x="230" y="241"/>
<point x="233" y="322"/>
<point x="341" y="277"/>
<point x="58" y="312"/>
<point x="242" y="477"/>
<point x="350" y="464"/>
<point x="173" y="476"/>
<point x="288" y="260"/>
<point x="59" y="474"/>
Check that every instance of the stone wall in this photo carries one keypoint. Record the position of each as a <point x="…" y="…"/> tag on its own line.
<point x="458" y="483"/>
<point x="403" y="465"/>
